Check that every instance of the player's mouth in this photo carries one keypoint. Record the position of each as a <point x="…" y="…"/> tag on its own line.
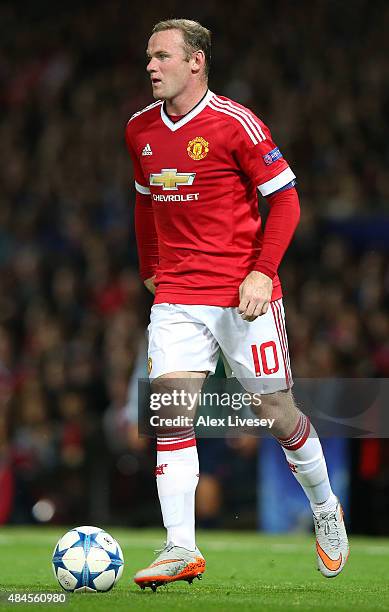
<point x="155" y="81"/>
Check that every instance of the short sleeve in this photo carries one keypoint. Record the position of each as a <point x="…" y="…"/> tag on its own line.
<point x="140" y="182"/>
<point x="259" y="157"/>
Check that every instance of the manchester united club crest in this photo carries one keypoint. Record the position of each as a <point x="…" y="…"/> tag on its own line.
<point x="197" y="148"/>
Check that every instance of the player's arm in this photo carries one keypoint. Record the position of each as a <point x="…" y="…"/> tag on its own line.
<point x="146" y="240"/>
<point x="264" y="164"/>
<point x="145" y="231"/>
<point x="281" y="223"/>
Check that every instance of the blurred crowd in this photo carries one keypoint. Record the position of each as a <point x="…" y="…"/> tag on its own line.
<point x="72" y="308"/>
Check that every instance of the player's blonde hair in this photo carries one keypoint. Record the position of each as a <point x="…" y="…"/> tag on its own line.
<point x="196" y="37"/>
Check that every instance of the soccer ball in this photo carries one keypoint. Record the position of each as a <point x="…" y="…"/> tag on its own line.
<point x="87" y="559"/>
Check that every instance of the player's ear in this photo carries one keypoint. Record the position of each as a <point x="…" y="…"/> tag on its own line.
<point x="197" y="61"/>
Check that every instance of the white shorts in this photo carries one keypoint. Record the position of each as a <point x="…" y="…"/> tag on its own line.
<point x="190" y="338"/>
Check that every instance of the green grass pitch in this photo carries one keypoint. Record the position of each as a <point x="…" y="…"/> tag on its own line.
<point x="245" y="571"/>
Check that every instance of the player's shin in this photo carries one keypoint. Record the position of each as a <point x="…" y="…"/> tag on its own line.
<point x="177" y="474"/>
<point x="305" y="457"/>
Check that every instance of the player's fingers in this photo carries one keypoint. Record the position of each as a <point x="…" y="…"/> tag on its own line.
<point x="258" y="310"/>
<point x="244" y="302"/>
<point x="255" y="314"/>
<point x="265" y="307"/>
<point x="248" y="312"/>
<point x="250" y="309"/>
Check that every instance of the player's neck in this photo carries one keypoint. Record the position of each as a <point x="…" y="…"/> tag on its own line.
<point x="183" y="103"/>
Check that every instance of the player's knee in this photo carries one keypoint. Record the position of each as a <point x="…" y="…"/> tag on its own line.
<point x="173" y="404"/>
<point x="265" y="404"/>
<point x="274" y="405"/>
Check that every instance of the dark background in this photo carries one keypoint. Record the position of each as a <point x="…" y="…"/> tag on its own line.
<point x="72" y="309"/>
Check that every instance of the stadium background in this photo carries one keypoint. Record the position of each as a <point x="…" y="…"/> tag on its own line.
<point x="72" y="309"/>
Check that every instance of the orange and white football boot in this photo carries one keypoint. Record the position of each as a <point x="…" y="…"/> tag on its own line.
<point x="172" y="564"/>
<point x="331" y="541"/>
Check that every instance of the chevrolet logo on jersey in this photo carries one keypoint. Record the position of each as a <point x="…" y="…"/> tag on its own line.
<point x="170" y="179"/>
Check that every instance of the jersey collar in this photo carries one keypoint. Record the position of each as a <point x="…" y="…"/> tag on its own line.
<point x="173" y="126"/>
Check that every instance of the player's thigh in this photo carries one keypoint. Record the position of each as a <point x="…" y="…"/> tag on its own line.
<point x="180" y="346"/>
<point x="257" y="351"/>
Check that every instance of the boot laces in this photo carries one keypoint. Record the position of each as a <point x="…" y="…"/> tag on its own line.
<point x="328" y="522"/>
<point x="166" y="548"/>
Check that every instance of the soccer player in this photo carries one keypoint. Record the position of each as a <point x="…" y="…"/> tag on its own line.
<point x="199" y="159"/>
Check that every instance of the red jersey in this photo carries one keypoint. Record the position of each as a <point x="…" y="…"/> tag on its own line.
<point x="202" y="173"/>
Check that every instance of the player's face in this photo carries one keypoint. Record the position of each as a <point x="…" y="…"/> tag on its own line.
<point x="169" y="71"/>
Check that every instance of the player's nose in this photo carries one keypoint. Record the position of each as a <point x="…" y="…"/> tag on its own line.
<point x="151" y="66"/>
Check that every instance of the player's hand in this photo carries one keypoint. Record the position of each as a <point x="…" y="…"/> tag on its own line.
<point x="255" y="295"/>
<point x="149" y="284"/>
